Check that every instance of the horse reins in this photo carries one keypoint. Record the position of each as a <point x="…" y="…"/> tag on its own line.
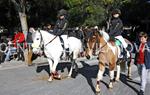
<point x="49" y="41"/>
<point x="99" y="49"/>
<point x="41" y="37"/>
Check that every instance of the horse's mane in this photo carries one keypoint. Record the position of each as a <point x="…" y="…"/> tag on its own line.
<point x="104" y="34"/>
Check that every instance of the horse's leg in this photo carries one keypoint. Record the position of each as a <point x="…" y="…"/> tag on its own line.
<point x="70" y="72"/>
<point x="118" y="70"/>
<point x="129" y="68"/>
<point x="99" y="76"/>
<point x="111" y="72"/>
<point x="50" y="67"/>
<point x="118" y="64"/>
<point x="54" y="72"/>
<point x="74" y="66"/>
<point x="73" y="70"/>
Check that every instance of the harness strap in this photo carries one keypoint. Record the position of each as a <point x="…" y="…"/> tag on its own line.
<point x="51" y="41"/>
<point x="41" y="36"/>
<point x="99" y="50"/>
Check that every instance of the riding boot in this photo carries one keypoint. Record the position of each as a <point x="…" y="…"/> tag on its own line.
<point x="67" y="54"/>
<point x="128" y="48"/>
<point x="124" y="54"/>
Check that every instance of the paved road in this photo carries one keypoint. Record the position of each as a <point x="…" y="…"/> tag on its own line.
<point x="16" y="78"/>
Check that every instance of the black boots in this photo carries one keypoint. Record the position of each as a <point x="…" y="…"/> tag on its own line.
<point x="67" y="54"/>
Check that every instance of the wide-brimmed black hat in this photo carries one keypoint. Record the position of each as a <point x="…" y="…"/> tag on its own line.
<point x="116" y="11"/>
<point x="62" y="12"/>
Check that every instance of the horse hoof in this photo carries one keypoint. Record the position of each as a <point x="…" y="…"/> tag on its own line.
<point x="98" y="89"/>
<point x="68" y="76"/>
<point x="56" y="75"/>
<point x="50" y="79"/>
<point x="129" y="77"/>
<point x="110" y="86"/>
<point x="74" y="74"/>
<point x="117" y="80"/>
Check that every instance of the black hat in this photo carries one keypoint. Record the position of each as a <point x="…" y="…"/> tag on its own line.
<point x="62" y="12"/>
<point x="116" y="11"/>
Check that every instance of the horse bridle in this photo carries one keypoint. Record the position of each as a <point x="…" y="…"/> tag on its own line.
<point x="42" y="38"/>
<point x="51" y="41"/>
<point x="99" y="49"/>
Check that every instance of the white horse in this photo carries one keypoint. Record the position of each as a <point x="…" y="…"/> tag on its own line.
<point x="53" y="50"/>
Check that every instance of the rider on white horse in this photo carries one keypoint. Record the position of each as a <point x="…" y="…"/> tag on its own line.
<point x="116" y="28"/>
<point x="60" y="29"/>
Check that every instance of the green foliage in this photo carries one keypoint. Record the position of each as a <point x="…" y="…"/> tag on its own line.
<point x="92" y="12"/>
<point x="85" y="13"/>
<point x="71" y="3"/>
<point x="81" y="12"/>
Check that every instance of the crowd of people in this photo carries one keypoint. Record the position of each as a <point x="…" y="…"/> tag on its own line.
<point x="13" y="47"/>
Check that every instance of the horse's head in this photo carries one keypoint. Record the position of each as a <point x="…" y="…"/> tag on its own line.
<point x="90" y="40"/>
<point x="97" y="39"/>
<point x="37" y="41"/>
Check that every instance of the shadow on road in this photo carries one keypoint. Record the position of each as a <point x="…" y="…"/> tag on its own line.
<point x="123" y="79"/>
<point x="89" y="72"/>
<point x="60" y="67"/>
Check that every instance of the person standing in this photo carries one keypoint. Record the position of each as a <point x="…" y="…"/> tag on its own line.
<point x="19" y="43"/>
<point x="29" y="47"/>
<point x="142" y="59"/>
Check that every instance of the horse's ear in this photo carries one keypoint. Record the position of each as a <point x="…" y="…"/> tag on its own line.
<point x="103" y="29"/>
<point x="32" y="30"/>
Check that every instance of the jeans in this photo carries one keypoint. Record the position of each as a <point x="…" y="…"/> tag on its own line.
<point x="143" y="72"/>
<point x="11" y="51"/>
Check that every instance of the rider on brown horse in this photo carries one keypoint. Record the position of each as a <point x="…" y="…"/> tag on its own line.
<point x="116" y="29"/>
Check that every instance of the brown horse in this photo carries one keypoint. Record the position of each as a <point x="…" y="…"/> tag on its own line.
<point x="90" y="42"/>
<point x="107" y="54"/>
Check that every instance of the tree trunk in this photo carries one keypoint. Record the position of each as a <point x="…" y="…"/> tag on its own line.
<point x="23" y="20"/>
<point x="24" y="26"/>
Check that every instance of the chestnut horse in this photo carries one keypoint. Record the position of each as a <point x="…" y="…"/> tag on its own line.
<point x="107" y="54"/>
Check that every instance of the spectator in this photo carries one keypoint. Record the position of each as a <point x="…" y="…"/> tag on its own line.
<point x="49" y="28"/>
<point x="143" y="59"/>
<point x="3" y="48"/>
<point x="11" y="50"/>
<point x="29" y="48"/>
<point x="19" y="43"/>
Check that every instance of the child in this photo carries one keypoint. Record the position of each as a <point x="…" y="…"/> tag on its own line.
<point x="143" y="59"/>
<point x="115" y="31"/>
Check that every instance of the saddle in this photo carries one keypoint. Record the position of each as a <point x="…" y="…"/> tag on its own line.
<point x="62" y="42"/>
<point x="115" y="41"/>
<point x="66" y="50"/>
